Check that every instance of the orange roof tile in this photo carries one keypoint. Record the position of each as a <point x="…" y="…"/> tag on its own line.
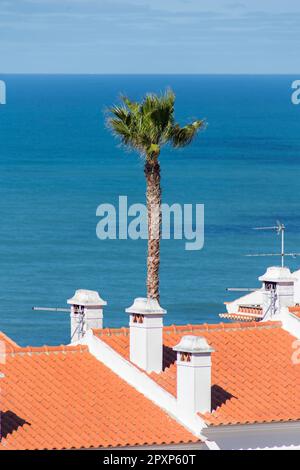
<point x="62" y="397"/>
<point x="241" y="316"/>
<point x="295" y="310"/>
<point x="250" y="309"/>
<point x="254" y="379"/>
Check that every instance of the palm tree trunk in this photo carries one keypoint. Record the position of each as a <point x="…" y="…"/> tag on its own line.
<point x="152" y="173"/>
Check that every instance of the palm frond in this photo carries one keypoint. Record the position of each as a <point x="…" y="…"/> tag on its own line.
<point x="120" y="130"/>
<point x="182" y="136"/>
<point x="133" y="106"/>
<point x="120" y="112"/>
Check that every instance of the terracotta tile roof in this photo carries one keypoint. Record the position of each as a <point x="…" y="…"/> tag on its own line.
<point x="62" y="397"/>
<point x="295" y="310"/>
<point x="257" y="310"/>
<point x="245" y="313"/>
<point x="241" y="316"/>
<point x="253" y="377"/>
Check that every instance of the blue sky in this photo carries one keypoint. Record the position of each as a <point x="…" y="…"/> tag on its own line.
<point x="149" y="36"/>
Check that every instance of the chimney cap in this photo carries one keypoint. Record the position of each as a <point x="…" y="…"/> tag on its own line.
<point x="277" y="274"/>
<point x="144" y="306"/>
<point x="193" y="344"/>
<point x="86" y="298"/>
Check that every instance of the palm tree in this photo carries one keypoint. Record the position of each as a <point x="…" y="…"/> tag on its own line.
<point x="146" y="127"/>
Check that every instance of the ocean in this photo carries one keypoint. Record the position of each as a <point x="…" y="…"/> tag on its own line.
<point x="58" y="162"/>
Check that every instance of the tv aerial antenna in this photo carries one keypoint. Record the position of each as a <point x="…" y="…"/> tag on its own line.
<point x="279" y="228"/>
<point x="80" y="318"/>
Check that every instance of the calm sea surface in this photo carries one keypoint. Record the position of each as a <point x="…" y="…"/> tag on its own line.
<point x="58" y="163"/>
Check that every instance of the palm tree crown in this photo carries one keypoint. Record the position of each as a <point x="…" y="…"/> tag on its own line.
<point x="149" y="125"/>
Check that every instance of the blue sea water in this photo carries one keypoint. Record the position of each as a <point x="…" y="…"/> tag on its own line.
<point x="58" y="162"/>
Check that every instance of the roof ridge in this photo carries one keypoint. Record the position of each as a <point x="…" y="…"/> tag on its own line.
<point x="124" y="330"/>
<point x="222" y="326"/>
<point x="6" y="338"/>
<point x="64" y="349"/>
<point x="190" y="328"/>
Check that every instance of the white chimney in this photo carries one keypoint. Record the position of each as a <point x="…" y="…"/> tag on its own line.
<point x="146" y="334"/>
<point x="278" y="291"/>
<point x="193" y="374"/>
<point x="86" y="312"/>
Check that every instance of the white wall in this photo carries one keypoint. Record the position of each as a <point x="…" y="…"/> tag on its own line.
<point x="290" y="323"/>
<point x="254" y="298"/>
<point x="296" y="274"/>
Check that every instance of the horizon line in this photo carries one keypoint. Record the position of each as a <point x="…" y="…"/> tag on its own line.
<point x="151" y="74"/>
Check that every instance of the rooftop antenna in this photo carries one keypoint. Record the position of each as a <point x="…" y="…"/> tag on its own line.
<point x="79" y="327"/>
<point x="241" y="289"/>
<point x="86" y="312"/>
<point x="280" y="230"/>
<point x="52" y="309"/>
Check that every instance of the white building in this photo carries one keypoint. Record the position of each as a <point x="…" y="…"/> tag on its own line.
<point x="280" y="289"/>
